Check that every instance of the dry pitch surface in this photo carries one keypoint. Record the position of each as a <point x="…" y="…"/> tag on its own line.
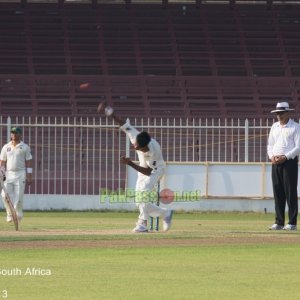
<point x="195" y="231"/>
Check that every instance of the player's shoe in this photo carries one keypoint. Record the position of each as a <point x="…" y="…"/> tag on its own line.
<point x="9" y="219"/>
<point x="290" y="227"/>
<point x="167" y="221"/>
<point x="276" y="227"/>
<point x="140" y="228"/>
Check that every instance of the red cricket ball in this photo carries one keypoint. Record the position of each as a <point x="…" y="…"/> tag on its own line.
<point x="84" y="85"/>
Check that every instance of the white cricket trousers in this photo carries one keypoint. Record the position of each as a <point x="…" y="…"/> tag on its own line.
<point x="146" y="186"/>
<point x="15" y="185"/>
<point x="151" y="210"/>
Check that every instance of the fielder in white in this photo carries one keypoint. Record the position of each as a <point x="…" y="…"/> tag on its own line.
<point x="16" y="162"/>
<point x="150" y="170"/>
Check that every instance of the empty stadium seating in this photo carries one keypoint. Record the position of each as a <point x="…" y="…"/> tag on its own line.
<point x="148" y="60"/>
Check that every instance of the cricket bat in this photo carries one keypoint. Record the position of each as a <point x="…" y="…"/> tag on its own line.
<point x="9" y="204"/>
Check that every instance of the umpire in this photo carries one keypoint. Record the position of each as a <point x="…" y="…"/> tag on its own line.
<point x="283" y="151"/>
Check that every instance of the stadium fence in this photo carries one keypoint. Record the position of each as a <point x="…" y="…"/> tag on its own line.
<point x="80" y="155"/>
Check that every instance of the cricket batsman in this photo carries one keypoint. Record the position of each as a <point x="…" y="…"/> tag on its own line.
<point x="16" y="160"/>
<point x="151" y="169"/>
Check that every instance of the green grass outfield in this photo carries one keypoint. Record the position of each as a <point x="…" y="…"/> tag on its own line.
<point x="94" y="255"/>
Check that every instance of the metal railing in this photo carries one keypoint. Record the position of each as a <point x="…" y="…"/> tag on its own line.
<point x="80" y="156"/>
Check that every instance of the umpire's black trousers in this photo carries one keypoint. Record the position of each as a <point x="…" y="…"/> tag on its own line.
<point x="285" y="180"/>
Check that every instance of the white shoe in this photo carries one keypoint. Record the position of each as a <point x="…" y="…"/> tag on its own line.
<point x="276" y="227"/>
<point x="9" y="219"/>
<point x="140" y="228"/>
<point x="167" y="221"/>
<point x="290" y="227"/>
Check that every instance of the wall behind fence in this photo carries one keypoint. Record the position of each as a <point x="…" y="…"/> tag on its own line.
<point x="216" y="180"/>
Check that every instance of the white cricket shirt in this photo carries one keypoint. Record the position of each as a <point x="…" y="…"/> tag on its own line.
<point x="15" y="156"/>
<point x="153" y="158"/>
<point x="284" y="140"/>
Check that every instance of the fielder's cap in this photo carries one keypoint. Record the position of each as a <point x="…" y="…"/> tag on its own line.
<point x="17" y="130"/>
<point x="282" y="107"/>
